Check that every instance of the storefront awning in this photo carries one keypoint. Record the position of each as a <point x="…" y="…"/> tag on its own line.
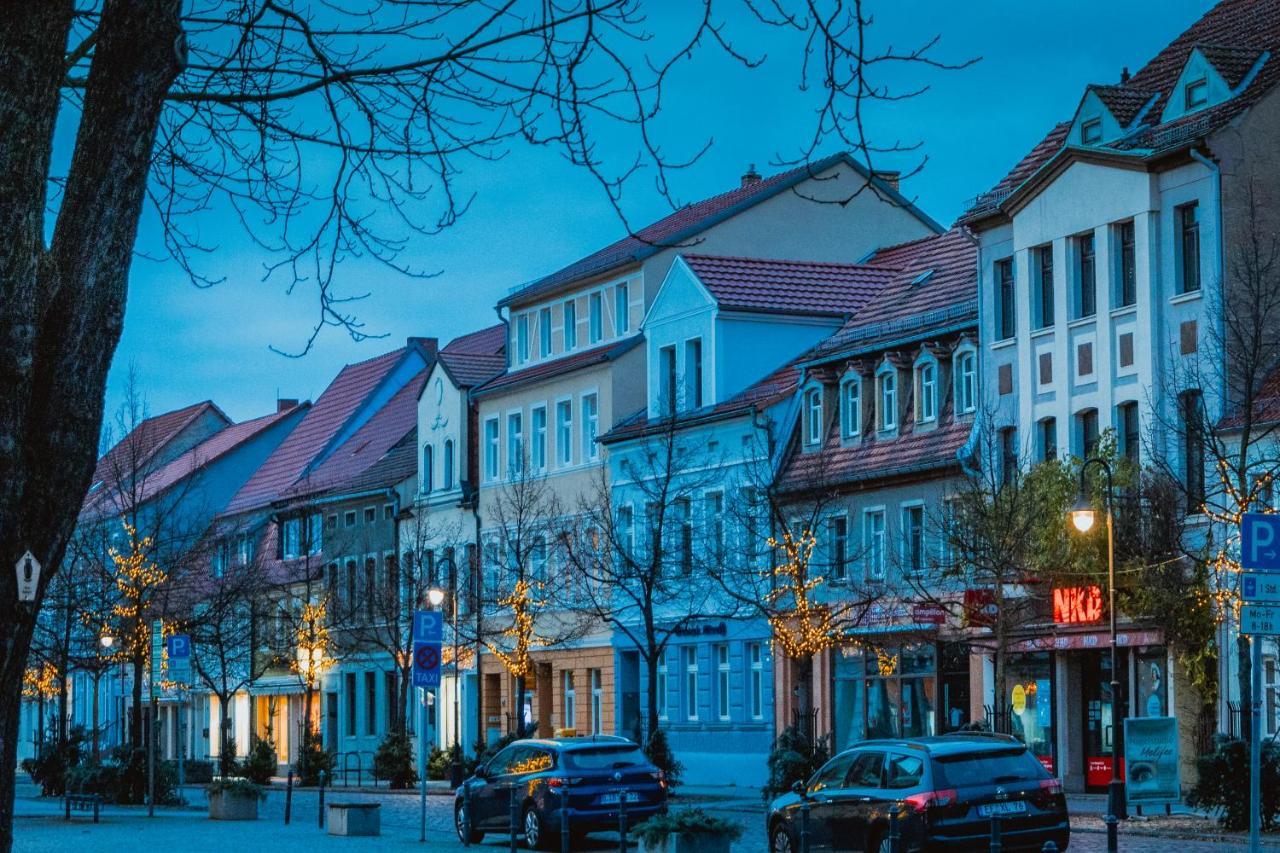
<point x="282" y="685"/>
<point x="1094" y="639"/>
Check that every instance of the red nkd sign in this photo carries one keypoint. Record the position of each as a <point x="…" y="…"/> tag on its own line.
<point x="1074" y="605"/>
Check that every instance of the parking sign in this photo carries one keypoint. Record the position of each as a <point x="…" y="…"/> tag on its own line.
<point x="1260" y="542"/>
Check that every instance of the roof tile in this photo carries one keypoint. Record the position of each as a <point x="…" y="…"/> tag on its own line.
<point x="793" y="287"/>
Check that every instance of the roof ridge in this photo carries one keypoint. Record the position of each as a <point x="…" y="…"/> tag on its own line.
<point x="789" y="261"/>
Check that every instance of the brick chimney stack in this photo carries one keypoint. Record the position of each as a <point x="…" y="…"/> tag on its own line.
<point x="751" y="177"/>
<point x="284" y="404"/>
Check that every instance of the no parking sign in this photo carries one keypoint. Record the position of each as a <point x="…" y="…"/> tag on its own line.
<point x="428" y="634"/>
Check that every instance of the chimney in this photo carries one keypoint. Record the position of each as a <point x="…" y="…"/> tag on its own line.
<point x="889" y="178"/>
<point x="426" y="346"/>
<point x="1124" y="75"/>
<point x="751" y="177"/>
<point x="284" y="404"/>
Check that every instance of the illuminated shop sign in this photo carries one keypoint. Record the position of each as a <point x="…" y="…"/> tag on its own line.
<point x="1077" y="605"/>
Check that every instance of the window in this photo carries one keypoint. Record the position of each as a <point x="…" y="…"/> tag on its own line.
<point x="564" y="432"/>
<point x="1091" y="132"/>
<point x="597" y="701"/>
<point x="690" y="682"/>
<point x="755" y="656"/>
<point x="1044" y="286"/>
<point x="693" y="373"/>
<point x="1193" y="453"/>
<point x="538" y="435"/>
<point x="351" y="704"/>
<point x="1008" y="455"/>
<point x="715" y="525"/>
<point x="667" y="379"/>
<point x="544" y="332"/>
<point x="595" y="318"/>
<point x="1086" y="277"/>
<point x="522" y="338"/>
<point x="927" y="392"/>
<point x="722" y="681"/>
<point x="244" y="549"/>
<point x="626" y="530"/>
<point x="1127" y="269"/>
<point x="851" y="407"/>
<point x="813" y="415"/>
<point x="873" y="536"/>
<point x="621" y="310"/>
<point x="888" y="400"/>
<point x="570" y="324"/>
<point x="448" y="464"/>
<point x="838" y="545"/>
<point x="1195" y="94"/>
<point x="684" y="520"/>
<point x="913" y="538"/>
<point x="389" y="511"/>
<point x="491" y="449"/>
<point x="1188" y="224"/>
<point x="590" y="423"/>
<point x="1130" y="438"/>
<point x="292" y="537"/>
<point x="570" y="700"/>
<point x="349" y="518"/>
<point x="370" y="703"/>
<point x="1087" y="432"/>
<point x="904" y="771"/>
<point x="1005" y="304"/>
<point x="370" y="514"/>
<point x="1048" y="428"/>
<point x="538" y="559"/>
<point x="515" y="444"/>
<point x="966" y="382"/>
<point x="662" y="685"/>
<point x="389" y="682"/>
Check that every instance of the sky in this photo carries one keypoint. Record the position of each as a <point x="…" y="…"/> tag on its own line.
<point x="533" y="213"/>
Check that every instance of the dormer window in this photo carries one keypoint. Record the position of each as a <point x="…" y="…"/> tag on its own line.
<point x="966" y="380"/>
<point x="813" y="416"/>
<point x="888" y="400"/>
<point x="1091" y="132"/>
<point x="1195" y="94"/>
<point x="851" y="407"/>
<point x="927" y="392"/>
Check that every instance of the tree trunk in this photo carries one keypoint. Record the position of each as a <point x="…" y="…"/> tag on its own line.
<point x="1246" y="686"/>
<point x="519" y="708"/>
<point x="97" y="688"/>
<point x="135" y="720"/>
<point x="226" y="747"/>
<point x="804" y="697"/>
<point x="651" y="695"/>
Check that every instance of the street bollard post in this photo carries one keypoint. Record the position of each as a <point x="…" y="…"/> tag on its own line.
<point x="1049" y="847"/>
<point x="804" y="825"/>
<point x="288" y="797"/>
<point x="320" y="817"/>
<point x="514" y="817"/>
<point x="622" y="821"/>
<point x="564" y="817"/>
<point x="1113" y="833"/>
<point x="895" y="834"/>
<point x="997" y="844"/>
<point x="466" y="816"/>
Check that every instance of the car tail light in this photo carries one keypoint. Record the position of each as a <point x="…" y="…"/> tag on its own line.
<point x="922" y="802"/>
<point x="659" y="777"/>
<point x="555" y="783"/>
<point x="1051" y="786"/>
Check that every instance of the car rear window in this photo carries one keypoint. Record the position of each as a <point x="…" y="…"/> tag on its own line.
<point x="605" y="758"/>
<point x="987" y="767"/>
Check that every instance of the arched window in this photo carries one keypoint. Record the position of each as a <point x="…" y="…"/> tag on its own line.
<point x="888" y="381"/>
<point x="851" y="406"/>
<point x="448" y="464"/>
<point x="926" y="391"/>
<point x="428" y="463"/>
<point x="966" y="381"/>
<point x="813" y="415"/>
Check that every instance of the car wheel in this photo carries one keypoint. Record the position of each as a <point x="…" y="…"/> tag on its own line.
<point x="460" y="824"/>
<point x="535" y="834"/>
<point x="780" y="840"/>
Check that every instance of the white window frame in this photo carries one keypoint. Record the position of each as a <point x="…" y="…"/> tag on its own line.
<point x="851" y="406"/>
<point x="724" y="707"/>
<point x="538" y="439"/>
<point x="590" y="426"/>
<point x="689" y="663"/>
<point x="596" y="679"/>
<point x="813" y="416"/>
<point x="570" y="699"/>
<point x="755" y="659"/>
<point x="621" y="309"/>
<point x="926" y="390"/>
<point x="564" y="432"/>
<point x="544" y="331"/>
<point x="876" y="568"/>
<point x="905" y="511"/>
<point x="569" y="316"/>
<point x="492" y="448"/>
<point x="887" y="398"/>
<point x="966" y="381"/>
<point x="595" y="318"/>
<point x="515" y="443"/>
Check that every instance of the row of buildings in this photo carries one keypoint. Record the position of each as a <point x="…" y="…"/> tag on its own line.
<point x="804" y="352"/>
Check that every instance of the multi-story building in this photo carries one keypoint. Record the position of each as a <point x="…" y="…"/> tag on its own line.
<point x="576" y="368"/>
<point x="1106" y="259"/>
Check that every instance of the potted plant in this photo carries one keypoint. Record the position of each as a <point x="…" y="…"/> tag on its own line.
<point x="234" y="798"/>
<point x="687" y="831"/>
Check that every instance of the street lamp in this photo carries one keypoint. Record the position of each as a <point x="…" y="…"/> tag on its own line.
<point x="106" y="640"/>
<point x="435" y="597"/>
<point x="1083" y="517"/>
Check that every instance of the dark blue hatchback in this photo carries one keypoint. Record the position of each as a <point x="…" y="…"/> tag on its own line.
<point x="595" y="774"/>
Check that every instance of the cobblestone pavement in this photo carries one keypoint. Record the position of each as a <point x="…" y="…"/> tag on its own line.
<point x="39" y="828"/>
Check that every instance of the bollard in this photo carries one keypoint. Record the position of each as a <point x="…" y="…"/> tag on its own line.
<point x="1049" y="847"/>
<point x="288" y="797"/>
<point x="466" y="816"/>
<point x="564" y="817"/>
<point x="622" y="821"/>
<point x="804" y="825"/>
<point x="514" y="816"/>
<point x="1113" y="833"/>
<point x="895" y="832"/>
<point x="320" y="817"/>
<point x="996" y="844"/>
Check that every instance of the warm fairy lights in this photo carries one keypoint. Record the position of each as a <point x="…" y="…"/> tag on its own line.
<point x="40" y="682"/>
<point x="802" y="627"/>
<point x="314" y="644"/>
<point x="519" y="633"/>
<point x="1223" y="593"/>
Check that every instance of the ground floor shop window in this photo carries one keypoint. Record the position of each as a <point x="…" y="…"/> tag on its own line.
<point x="1028" y="701"/>
<point x="1152" y="682"/>
<point x="885" y="692"/>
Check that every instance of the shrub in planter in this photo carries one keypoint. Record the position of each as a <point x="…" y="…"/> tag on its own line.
<point x="1223" y="784"/>
<point x="394" y="761"/>
<point x="313" y="758"/>
<point x="49" y="769"/>
<point x="234" y="798"/>
<point x="659" y="752"/>
<point x="439" y="761"/>
<point x="261" y="763"/>
<point x="688" y="831"/>
<point x="794" y="758"/>
<point x="123" y="780"/>
<point x="198" y="772"/>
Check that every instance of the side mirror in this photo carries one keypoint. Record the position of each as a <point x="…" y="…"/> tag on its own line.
<point x="482" y="772"/>
<point x="798" y="788"/>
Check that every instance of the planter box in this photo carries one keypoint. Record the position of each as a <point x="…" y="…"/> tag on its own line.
<point x="224" y="806"/>
<point x="697" y="843"/>
<point x="355" y="819"/>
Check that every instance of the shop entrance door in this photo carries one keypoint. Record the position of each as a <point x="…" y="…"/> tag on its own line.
<point x="1101" y="715"/>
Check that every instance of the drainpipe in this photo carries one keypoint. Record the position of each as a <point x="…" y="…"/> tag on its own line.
<point x="967" y="452"/>
<point x="1215" y="174"/>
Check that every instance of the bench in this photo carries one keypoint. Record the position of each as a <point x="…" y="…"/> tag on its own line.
<point x="82" y="803"/>
<point x="355" y="819"/>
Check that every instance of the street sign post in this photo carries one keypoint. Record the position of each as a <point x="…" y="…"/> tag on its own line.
<point x="28" y="569"/>
<point x="178" y="648"/>
<point x="1260" y="588"/>
<point x="428" y="636"/>
<point x="1259" y="552"/>
<point x="1260" y="620"/>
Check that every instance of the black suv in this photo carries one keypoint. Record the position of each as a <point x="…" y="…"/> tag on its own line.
<point x="945" y="790"/>
<point x="594" y="773"/>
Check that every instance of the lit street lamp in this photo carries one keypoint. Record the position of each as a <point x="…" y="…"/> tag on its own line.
<point x="1083" y="517"/>
<point x="107" y="641"/>
<point x="435" y="597"/>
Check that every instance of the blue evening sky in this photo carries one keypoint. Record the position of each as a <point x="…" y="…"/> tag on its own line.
<point x="533" y="213"/>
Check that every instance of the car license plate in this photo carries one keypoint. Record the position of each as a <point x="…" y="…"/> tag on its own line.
<point x="993" y="809"/>
<point x="613" y="799"/>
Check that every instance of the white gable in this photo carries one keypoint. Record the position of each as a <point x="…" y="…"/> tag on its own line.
<point x="680" y="294"/>
<point x="1093" y="110"/>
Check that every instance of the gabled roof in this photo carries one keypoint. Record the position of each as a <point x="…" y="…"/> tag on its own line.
<point x="146" y="441"/>
<point x="1123" y="102"/>
<point x="790" y="287"/>
<point x="1232" y="36"/>
<point x="318" y="428"/>
<point x="688" y="222"/>
<point x="557" y="366"/>
<point x="471" y="359"/>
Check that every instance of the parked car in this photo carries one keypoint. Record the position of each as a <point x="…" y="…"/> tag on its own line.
<point x="945" y="790"/>
<point x="595" y="773"/>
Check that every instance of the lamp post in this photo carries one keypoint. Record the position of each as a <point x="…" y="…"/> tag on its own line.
<point x="434" y="597"/>
<point x="1083" y="517"/>
<point x="455" y="752"/>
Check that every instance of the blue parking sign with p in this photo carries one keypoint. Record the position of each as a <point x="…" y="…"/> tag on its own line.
<point x="428" y="627"/>
<point x="428" y="635"/>
<point x="179" y="647"/>
<point x="1260" y="542"/>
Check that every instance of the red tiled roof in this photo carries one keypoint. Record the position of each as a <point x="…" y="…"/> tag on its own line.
<point x="145" y="440"/>
<point x="794" y="287"/>
<point x="1232" y="35"/>
<point x="1266" y="406"/>
<point x="1123" y="102"/>
<point x="473" y="358"/>
<point x="395" y="466"/>
<point x="874" y="458"/>
<point x="488" y="341"/>
<point x="367" y="445"/>
<point x="557" y="367"/>
<point x="686" y="223"/>
<point x="327" y="416"/>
